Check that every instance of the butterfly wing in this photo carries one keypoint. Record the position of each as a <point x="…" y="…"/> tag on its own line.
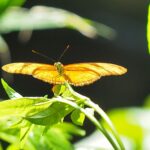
<point x="44" y="72"/>
<point x="26" y="68"/>
<point x="50" y="76"/>
<point x="85" y="73"/>
<point x="77" y="74"/>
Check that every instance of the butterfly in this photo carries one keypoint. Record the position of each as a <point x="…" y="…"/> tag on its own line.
<point x="78" y="74"/>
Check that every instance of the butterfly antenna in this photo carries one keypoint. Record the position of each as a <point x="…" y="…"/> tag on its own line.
<point x="65" y="50"/>
<point x="40" y="54"/>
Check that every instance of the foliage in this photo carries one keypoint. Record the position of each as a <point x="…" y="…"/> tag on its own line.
<point x="57" y="137"/>
<point x="15" y="18"/>
<point x="4" y="48"/>
<point x="42" y="17"/>
<point x="15" y="127"/>
<point x="133" y="123"/>
<point x="5" y="4"/>
<point x="148" y="28"/>
<point x="33" y="116"/>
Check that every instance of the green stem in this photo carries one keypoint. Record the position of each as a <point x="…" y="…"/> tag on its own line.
<point x="89" y="103"/>
<point x="99" y="127"/>
<point x="90" y="117"/>
<point x="86" y="101"/>
<point x="107" y="120"/>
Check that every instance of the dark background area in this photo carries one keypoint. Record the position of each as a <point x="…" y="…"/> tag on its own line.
<point x="128" y="49"/>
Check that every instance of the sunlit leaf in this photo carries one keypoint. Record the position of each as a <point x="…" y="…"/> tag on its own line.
<point x="54" y="138"/>
<point x="4" y="4"/>
<point x="52" y="115"/>
<point x="132" y="123"/>
<point x="71" y="129"/>
<point x="77" y="117"/>
<point x="21" y="107"/>
<point x="24" y="132"/>
<point x="1" y="148"/>
<point x="5" y="57"/>
<point x="3" y="45"/>
<point x="4" y="51"/>
<point x="148" y="29"/>
<point x="42" y="17"/>
<point x="103" y="30"/>
<point x="58" y="89"/>
<point x="10" y="92"/>
<point x="6" y="132"/>
<point x="57" y="137"/>
<point x="48" y="112"/>
<point x="147" y="102"/>
<point x="64" y="91"/>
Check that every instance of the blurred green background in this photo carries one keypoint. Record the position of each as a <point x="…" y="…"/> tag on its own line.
<point x="117" y="35"/>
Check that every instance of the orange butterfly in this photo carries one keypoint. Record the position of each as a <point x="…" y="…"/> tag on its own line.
<point x="78" y="74"/>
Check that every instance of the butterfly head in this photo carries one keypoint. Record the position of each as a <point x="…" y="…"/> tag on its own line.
<point x="59" y="67"/>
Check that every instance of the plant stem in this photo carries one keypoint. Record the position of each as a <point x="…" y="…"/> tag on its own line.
<point x="93" y="120"/>
<point x="88" y="102"/>
<point x="99" y="127"/>
<point x="107" y="120"/>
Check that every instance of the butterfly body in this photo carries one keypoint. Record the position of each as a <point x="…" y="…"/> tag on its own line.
<point x="59" y="68"/>
<point x="78" y="74"/>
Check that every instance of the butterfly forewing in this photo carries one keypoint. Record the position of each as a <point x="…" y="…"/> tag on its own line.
<point x="101" y="69"/>
<point x="26" y="68"/>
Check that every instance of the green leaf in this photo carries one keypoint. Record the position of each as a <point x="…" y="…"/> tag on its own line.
<point x="4" y="54"/>
<point x="72" y="95"/>
<point x="69" y="128"/>
<point x="10" y="92"/>
<point x="1" y="148"/>
<point x="42" y="17"/>
<point x="4" y="48"/>
<point x="65" y="91"/>
<point x="54" y="138"/>
<point x="57" y="137"/>
<point x="7" y="133"/>
<point x="78" y="117"/>
<point x="59" y="89"/>
<point x="43" y="111"/>
<point x="148" y="29"/>
<point x="24" y="134"/>
<point x="132" y="123"/>
<point x="52" y="115"/>
<point x="147" y="102"/>
<point x="22" y="107"/>
<point x="5" y="4"/>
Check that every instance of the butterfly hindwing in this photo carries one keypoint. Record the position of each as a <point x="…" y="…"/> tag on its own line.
<point x="50" y="76"/>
